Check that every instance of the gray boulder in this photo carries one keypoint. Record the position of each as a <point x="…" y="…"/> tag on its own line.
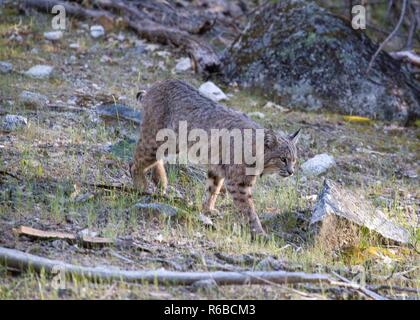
<point x="5" y="67"/>
<point x="32" y="99"/>
<point x="12" y="122"/>
<point x="300" y="55"/>
<point x="53" y="35"/>
<point x="39" y="71"/>
<point x="317" y="165"/>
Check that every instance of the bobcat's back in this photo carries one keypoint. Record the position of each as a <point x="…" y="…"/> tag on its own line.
<point x="168" y="102"/>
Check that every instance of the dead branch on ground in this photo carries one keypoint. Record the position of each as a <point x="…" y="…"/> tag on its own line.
<point x="22" y="261"/>
<point x="204" y="56"/>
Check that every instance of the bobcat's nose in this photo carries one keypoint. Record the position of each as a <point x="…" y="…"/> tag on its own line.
<point x="290" y="171"/>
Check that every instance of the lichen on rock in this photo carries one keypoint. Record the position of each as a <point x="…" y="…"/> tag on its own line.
<point x="300" y="55"/>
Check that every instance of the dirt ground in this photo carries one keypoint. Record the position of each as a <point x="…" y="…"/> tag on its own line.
<point x="62" y="150"/>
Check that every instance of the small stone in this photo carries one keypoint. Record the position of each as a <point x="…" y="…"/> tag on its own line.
<point x="106" y="59"/>
<point x="272" y="105"/>
<point x="318" y="165"/>
<point x="120" y="37"/>
<point x="118" y="111"/>
<point x="205" y="220"/>
<point x="152" y="47"/>
<point x="269" y="264"/>
<point x="160" y="208"/>
<point x="256" y="114"/>
<point x="12" y="122"/>
<point x="97" y="31"/>
<point x="163" y="54"/>
<point x="87" y="233"/>
<point x="183" y="64"/>
<point x="16" y="37"/>
<point x="205" y="285"/>
<point x="39" y="71"/>
<point x="5" y="67"/>
<point x="53" y="35"/>
<point x="32" y="99"/>
<point x="72" y="59"/>
<point x="74" y="46"/>
<point x="211" y="91"/>
<point x="60" y="244"/>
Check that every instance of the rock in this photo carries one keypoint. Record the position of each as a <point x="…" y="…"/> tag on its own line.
<point x="74" y="46"/>
<point x="53" y="35"/>
<point x="32" y="99"/>
<point x="205" y="220"/>
<point x="106" y="59"/>
<point x="163" y="209"/>
<point x="163" y="54"/>
<point x="338" y="215"/>
<point x="272" y="105"/>
<point x="60" y="245"/>
<point x="39" y="71"/>
<point x="87" y="233"/>
<point x="300" y="55"/>
<point x="183" y="64"/>
<point x="317" y="165"/>
<point x="12" y="122"/>
<point x="151" y="47"/>
<point x="256" y="114"/>
<point x="5" y="67"/>
<point x="205" y="285"/>
<point x="211" y="91"/>
<point x="269" y="264"/>
<point x="119" y="111"/>
<point x="97" y="31"/>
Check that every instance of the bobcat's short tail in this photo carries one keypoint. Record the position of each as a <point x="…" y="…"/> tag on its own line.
<point x="140" y="95"/>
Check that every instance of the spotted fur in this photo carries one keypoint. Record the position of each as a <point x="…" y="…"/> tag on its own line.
<point x="167" y="103"/>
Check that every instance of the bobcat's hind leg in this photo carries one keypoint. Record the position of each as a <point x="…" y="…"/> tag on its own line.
<point x="159" y="176"/>
<point x="214" y="184"/>
<point x="144" y="158"/>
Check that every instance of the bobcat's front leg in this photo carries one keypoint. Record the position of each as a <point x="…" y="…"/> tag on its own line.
<point x="214" y="184"/>
<point x="242" y="199"/>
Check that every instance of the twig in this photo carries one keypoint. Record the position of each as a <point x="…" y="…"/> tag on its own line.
<point x="411" y="56"/>
<point x="5" y="173"/>
<point x="389" y="287"/>
<point x="390" y="36"/>
<point x="358" y="288"/>
<point x="85" y="241"/>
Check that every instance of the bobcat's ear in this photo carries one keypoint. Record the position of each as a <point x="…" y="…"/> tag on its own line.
<point x="140" y="95"/>
<point x="295" y="136"/>
<point x="270" y="138"/>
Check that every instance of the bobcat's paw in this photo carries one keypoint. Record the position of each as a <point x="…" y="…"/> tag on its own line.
<point x="258" y="233"/>
<point x="212" y="212"/>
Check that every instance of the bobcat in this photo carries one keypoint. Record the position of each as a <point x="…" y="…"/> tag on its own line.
<point x="167" y="103"/>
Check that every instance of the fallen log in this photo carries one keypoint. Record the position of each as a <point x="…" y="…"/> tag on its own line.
<point x="205" y="58"/>
<point x="22" y="261"/>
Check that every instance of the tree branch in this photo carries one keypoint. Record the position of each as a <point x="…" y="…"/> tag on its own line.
<point x="390" y="36"/>
<point x="15" y="259"/>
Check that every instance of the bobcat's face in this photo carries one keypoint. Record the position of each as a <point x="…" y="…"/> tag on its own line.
<point x="280" y="153"/>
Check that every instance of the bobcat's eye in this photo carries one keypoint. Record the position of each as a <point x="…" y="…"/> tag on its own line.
<point x="284" y="160"/>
